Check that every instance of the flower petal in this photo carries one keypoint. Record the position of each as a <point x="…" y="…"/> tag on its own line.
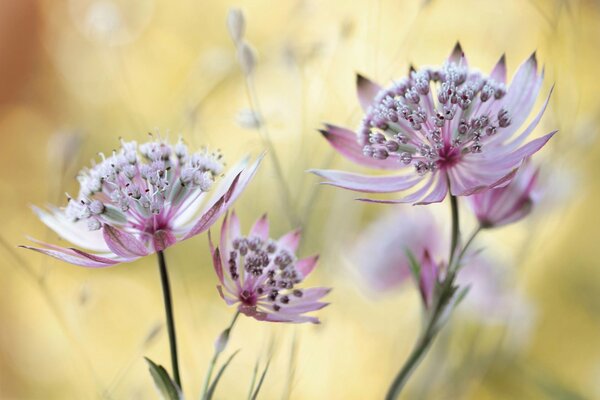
<point x="122" y="243"/>
<point x="367" y="91"/>
<point x="499" y="72"/>
<point x="438" y="193"/>
<point x="213" y="213"/>
<point x="261" y="228"/>
<point x="290" y="240"/>
<point x="71" y="257"/>
<point x="346" y="143"/>
<point x="307" y="265"/>
<point x="514" y="158"/>
<point x="368" y="183"/>
<point x="74" y="232"/>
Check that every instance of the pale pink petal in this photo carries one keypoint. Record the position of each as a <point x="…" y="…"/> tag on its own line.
<point x="290" y="240"/>
<point x="499" y="72"/>
<point x="368" y="183"/>
<point x="71" y="257"/>
<point x="74" y="232"/>
<point x="277" y="317"/>
<point x="122" y="243"/>
<point x="438" y="193"/>
<point x="213" y="213"/>
<point x="261" y="228"/>
<point x="346" y="143"/>
<point x="307" y="265"/>
<point x="523" y="152"/>
<point x="366" y="90"/>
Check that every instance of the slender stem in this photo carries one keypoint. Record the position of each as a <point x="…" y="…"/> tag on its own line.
<point x="166" y="288"/>
<point x="469" y="241"/>
<point x="266" y="137"/>
<point x="455" y="233"/>
<point x="218" y="351"/>
<point x="432" y="327"/>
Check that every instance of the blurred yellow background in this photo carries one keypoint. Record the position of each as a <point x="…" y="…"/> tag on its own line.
<point x="75" y="75"/>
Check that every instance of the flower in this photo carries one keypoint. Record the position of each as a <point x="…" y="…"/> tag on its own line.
<point x="261" y="274"/>
<point x="381" y="256"/>
<point x="507" y="204"/>
<point x="140" y="200"/>
<point x="452" y="126"/>
<point x="381" y="252"/>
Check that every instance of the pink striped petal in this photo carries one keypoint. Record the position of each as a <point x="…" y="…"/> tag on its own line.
<point x="315" y="293"/>
<point x="122" y="243"/>
<point x="298" y="319"/>
<point x="216" y="255"/>
<point x="213" y="213"/>
<point x="499" y="72"/>
<point x="72" y="257"/>
<point x="290" y="240"/>
<point x="534" y="123"/>
<point x="368" y="183"/>
<point x="163" y="239"/>
<point x="514" y="158"/>
<point x="346" y="143"/>
<point x="367" y="91"/>
<point x="307" y="265"/>
<point x="261" y="228"/>
<point x="438" y="193"/>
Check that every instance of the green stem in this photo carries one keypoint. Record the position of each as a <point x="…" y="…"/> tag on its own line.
<point x="455" y="233"/>
<point x="266" y="137"/>
<point x="215" y="358"/>
<point x="431" y="329"/>
<point x="166" y="288"/>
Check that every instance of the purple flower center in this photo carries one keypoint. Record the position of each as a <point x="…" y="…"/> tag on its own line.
<point x="433" y="117"/>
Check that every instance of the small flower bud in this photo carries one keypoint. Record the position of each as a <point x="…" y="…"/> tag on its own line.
<point x="247" y="58"/>
<point x="236" y="24"/>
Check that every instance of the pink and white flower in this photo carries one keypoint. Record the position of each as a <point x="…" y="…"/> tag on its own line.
<point x="261" y="274"/>
<point x="381" y="252"/>
<point x="140" y="200"/>
<point x="451" y="128"/>
<point x="507" y="204"/>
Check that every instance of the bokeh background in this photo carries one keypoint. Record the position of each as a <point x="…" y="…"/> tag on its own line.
<point x="75" y="75"/>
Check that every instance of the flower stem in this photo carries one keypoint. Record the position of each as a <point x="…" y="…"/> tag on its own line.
<point x="218" y="351"/>
<point x="166" y="288"/>
<point x="443" y="298"/>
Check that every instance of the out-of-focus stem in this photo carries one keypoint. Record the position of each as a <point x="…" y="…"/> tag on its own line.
<point x="266" y="137"/>
<point x="166" y="288"/>
<point x="443" y="298"/>
<point x="215" y="358"/>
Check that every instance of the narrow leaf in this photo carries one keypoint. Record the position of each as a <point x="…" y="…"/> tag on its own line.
<point x="415" y="268"/>
<point x="262" y="379"/>
<point x="164" y="384"/>
<point x="213" y="386"/>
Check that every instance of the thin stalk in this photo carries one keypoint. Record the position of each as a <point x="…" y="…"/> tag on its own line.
<point x="166" y="288"/>
<point x="455" y="233"/>
<point x="442" y="300"/>
<point x="218" y="351"/>
<point x="285" y="190"/>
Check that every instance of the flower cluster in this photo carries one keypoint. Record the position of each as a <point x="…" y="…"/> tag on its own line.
<point x="142" y="199"/>
<point x="262" y="274"/>
<point x="452" y="127"/>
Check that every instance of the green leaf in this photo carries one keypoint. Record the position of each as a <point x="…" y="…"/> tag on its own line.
<point x="213" y="386"/>
<point x="262" y="379"/>
<point x="415" y="268"/>
<point x="164" y="384"/>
